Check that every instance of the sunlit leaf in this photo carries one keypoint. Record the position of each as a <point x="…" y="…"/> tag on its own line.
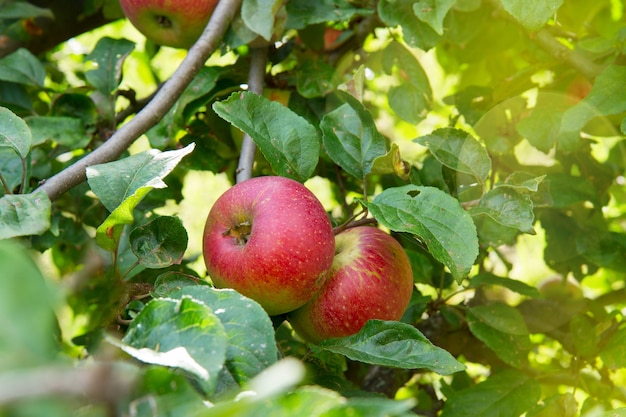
<point x="532" y="14"/>
<point x="433" y="12"/>
<point x="109" y="55"/>
<point x="14" y="133"/>
<point x="391" y="163"/>
<point x="302" y="13"/>
<point x="258" y="15"/>
<point x="416" y="32"/>
<point x="507" y="207"/>
<point x="436" y="218"/>
<point x="613" y="353"/>
<point x="289" y="142"/>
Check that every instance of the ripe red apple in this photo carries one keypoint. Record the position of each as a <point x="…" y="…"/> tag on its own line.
<point x="270" y="239"/>
<point x="175" y="23"/>
<point x="371" y="278"/>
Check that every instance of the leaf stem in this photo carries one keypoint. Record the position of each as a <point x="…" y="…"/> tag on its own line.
<point x="256" y="76"/>
<point x="5" y="185"/>
<point x="155" y="110"/>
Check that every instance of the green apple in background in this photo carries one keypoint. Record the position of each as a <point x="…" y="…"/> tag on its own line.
<point x="270" y="239"/>
<point x="371" y="278"/>
<point x="175" y="23"/>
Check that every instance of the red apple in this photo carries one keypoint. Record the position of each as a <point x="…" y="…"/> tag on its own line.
<point x="270" y="239"/>
<point x="371" y="278"/>
<point x="175" y="23"/>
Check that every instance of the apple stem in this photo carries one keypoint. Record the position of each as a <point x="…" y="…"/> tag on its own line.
<point x="240" y="232"/>
<point x="164" y="21"/>
<point x="352" y="222"/>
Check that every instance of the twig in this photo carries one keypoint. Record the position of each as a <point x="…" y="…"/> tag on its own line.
<point x="101" y="382"/>
<point x="155" y="110"/>
<point x="575" y="59"/>
<point x="256" y="75"/>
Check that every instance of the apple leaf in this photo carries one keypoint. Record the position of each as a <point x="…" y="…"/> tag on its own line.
<point x="618" y="412"/>
<point x="22" y="67"/>
<point x="416" y="32"/>
<point x="607" y="97"/>
<point x="116" y="181"/>
<point x="503" y="329"/>
<point x="258" y="15"/>
<point x="109" y="55"/>
<point x="14" y="133"/>
<point x="391" y="163"/>
<point x="395" y="344"/>
<point x="459" y="151"/>
<point x="508" y="393"/>
<point x="182" y="333"/>
<point x="433" y="12"/>
<point x="26" y="302"/>
<point x="612" y="354"/>
<point x="289" y="142"/>
<point x="533" y="14"/>
<point x="159" y="243"/>
<point x="435" y="217"/>
<point x="351" y="138"/>
<point x="121" y="185"/>
<point x="24" y="214"/>
<point x="316" y="78"/>
<point x="251" y="344"/>
<point x="486" y="278"/>
<point x="66" y="131"/>
<point x="302" y="13"/>
<point x="507" y="207"/>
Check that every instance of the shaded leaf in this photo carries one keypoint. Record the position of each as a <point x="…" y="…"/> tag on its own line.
<point x="14" y="133"/>
<point x="159" y="243"/>
<point x="459" y="151"/>
<point x="434" y="216"/>
<point x="395" y="344"/>
<point x="613" y="355"/>
<point x="508" y="393"/>
<point x="109" y="55"/>
<point x="391" y="163"/>
<point x="316" y="78"/>
<point x="22" y="67"/>
<point x="301" y="13"/>
<point x="509" y="283"/>
<point x="288" y="141"/>
<point x="401" y="13"/>
<point x="24" y="214"/>
<point x="351" y="138"/>
<point x="433" y="12"/>
<point x="66" y="131"/>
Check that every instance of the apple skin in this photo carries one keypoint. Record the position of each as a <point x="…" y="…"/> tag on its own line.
<point x="371" y="278"/>
<point x="270" y="239"/>
<point x="175" y="23"/>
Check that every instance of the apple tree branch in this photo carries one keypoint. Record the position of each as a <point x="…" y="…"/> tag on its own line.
<point x="153" y="111"/>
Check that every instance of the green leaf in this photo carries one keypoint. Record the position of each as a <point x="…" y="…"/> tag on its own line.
<point x="302" y="13"/>
<point x="11" y="169"/>
<point x="605" y="249"/>
<point x="316" y="78"/>
<point x="23" y="10"/>
<point x="433" y="12"/>
<point x="159" y="243"/>
<point x="566" y="190"/>
<point x="351" y="138"/>
<point x="401" y="13"/>
<point x="109" y="55"/>
<point x="584" y="336"/>
<point x="507" y="207"/>
<point x="533" y="14"/>
<point x="258" y="15"/>
<point x="14" y="133"/>
<point x="508" y="283"/>
<point x="523" y="182"/>
<point x="391" y="163"/>
<point x="395" y="344"/>
<point x="618" y="412"/>
<point x="502" y="328"/>
<point x="459" y="151"/>
<point x="66" y="131"/>
<point x="613" y="355"/>
<point x="117" y="181"/>
<point x="411" y="99"/>
<point x="607" y="97"/>
<point x="251" y="343"/>
<point x="508" y="393"/>
<point x="289" y="143"/>
<point x="183" y="334"/>
<point x="27" y="320"/>
<point x="24" y="214"/>
<point x="22" y="67"/>
<point x="434" y="216"/>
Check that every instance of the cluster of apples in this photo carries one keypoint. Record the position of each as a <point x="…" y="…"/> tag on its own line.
<point x="270" y="239"/>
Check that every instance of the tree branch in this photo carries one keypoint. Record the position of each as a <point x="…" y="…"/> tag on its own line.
<point x="101" y="382"/>
<point x="155" y="110"/>
<point x="256" y="76"/>
<point x="575" y="59"/>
